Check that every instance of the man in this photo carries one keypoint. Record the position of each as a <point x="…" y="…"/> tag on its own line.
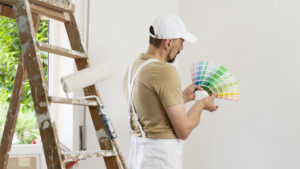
<point x="158" y="119"/>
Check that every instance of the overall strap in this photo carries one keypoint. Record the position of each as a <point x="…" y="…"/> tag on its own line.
<point x="130" y="87"/>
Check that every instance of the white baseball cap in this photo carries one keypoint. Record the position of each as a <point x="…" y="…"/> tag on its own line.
<point x="171" y="27"/>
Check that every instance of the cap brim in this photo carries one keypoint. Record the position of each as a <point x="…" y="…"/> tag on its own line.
<point x="190" y="37"/>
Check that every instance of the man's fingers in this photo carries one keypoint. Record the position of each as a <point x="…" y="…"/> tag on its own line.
<point x="213" y="96"/>
<point x="216" y="108"/>
<point x="196" y="87"/>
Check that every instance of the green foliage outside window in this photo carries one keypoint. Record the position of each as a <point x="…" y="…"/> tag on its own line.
<point x="10" y="50"/>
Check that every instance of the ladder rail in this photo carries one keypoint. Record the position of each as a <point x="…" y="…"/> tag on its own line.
<point x="37" y="82"/>
<point x="12" y="115"/>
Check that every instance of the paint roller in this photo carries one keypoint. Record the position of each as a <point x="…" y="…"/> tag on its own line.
<point x="88" y="77"/>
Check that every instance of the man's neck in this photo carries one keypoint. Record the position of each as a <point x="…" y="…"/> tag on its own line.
<point x="158" y="52"/>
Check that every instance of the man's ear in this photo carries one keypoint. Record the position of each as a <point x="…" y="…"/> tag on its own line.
<point x="167" y="43"/>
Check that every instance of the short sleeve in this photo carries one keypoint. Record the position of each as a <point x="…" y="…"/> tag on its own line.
<point x="168" y="87"/>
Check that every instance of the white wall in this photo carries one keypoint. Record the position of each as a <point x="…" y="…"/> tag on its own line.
<point x="259" y="42"/>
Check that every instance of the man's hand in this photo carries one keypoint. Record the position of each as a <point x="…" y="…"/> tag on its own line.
<point x="208" y="103"/>
<point x="188" y="92"/>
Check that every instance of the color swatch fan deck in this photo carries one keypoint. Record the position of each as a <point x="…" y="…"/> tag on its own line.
<point x="215" y="79"/>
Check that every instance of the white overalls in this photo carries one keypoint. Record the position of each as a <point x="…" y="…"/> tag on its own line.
<point x="148" y="153"/>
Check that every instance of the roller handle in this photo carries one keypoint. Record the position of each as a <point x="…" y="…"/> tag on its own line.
<point x="108" y="124"/>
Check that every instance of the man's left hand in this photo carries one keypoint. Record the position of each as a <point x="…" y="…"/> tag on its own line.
<point x="188" y="93"/>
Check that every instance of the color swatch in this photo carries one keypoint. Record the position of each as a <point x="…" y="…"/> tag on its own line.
<point x="216" y="79"/>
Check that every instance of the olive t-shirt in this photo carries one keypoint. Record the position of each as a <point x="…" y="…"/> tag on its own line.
<point x="156" y="87"/>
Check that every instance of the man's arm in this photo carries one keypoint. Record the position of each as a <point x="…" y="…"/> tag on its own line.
<point x="183" y="123"/>
<point x="167" y="87"/>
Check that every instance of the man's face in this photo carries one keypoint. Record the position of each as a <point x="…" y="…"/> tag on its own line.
<point x="175" y="49"/>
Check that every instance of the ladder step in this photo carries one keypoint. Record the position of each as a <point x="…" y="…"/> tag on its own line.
<point x="6" y="10"/>
<point x="8" y="2"/>
<point x="61" y="51"/>
<point x="73" y="156"/>
<point x="60" y="16"/>
<point x="58" y="5"/>
<point x="82" y="102"/>
<point x="65" y="6"/>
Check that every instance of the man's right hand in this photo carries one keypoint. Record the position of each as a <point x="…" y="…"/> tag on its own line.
<point x="209" y="104"/>
<point x="183" y="123"/>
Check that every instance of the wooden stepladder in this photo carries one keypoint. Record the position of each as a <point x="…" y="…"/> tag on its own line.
<point x="27" y="15"/>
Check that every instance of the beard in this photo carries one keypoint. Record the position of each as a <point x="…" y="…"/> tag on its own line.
<point x="171" y="60"/>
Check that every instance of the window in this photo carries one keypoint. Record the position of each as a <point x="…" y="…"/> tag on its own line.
<point x="26" y="128"/>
